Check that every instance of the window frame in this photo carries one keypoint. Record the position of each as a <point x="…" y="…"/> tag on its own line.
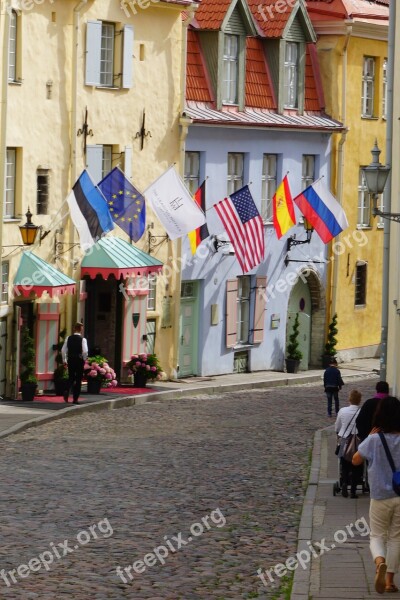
<point x="363" y="203"/>
<point x="107" y="76"/>
<point x="13" y="46"/>
<point x="368" y="88"/>
<point x="384" y="88"/>
<point x="230" y="70"/>
<point x="152" y="295"/>
<point x="5" y="275"/>
<point x="106" y="159"/>
<point x="269" y="178"/>
<point x="192" y="175"/>
<point x="235" y="178"/>
<point x="291" y="68"/>
<point x="308" y="174"/>
<point x="10" y="191"/>
<point x="42" y="173"/>
<point x="243" y="310"/>
<point x="360" y="284"/>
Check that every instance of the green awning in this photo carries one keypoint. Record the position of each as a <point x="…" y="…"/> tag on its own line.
<point x="114" y="256"/>
<point x="36" y="275"/>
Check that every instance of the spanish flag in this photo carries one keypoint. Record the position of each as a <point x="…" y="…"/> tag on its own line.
<point x="201" y="233"/>
<point x="283" y="209"/>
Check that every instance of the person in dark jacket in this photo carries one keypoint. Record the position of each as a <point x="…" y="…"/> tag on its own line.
<point x="333" y="383"/>
<point x="368" y="409"/>
<point x="74" y="353"/>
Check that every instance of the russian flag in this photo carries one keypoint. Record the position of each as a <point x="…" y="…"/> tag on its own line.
<point x="89" y="211"/>
<point x="322" y="210"/>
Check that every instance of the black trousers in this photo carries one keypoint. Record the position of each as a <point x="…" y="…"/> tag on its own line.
<point x="75" y="374"/>
<point x="351" y="475"/>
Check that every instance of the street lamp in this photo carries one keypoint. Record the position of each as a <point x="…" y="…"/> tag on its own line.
<point x="29" y="230"/>
<point x="376" y="176"/>
<point x="292" y="239"/>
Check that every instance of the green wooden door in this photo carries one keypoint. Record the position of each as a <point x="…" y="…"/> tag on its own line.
<point x="188" y="328"/>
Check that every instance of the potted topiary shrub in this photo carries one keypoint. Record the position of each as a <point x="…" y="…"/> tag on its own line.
<point x="28" y="374"/>
<point x="60" y="375"/>
<point x="293" y="354"/>
<point x="330" y="346"/>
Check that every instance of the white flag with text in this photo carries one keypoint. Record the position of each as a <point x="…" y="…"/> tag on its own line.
<point x="174" y="206"/>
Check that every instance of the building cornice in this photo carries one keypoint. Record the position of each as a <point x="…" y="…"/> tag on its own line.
<point x="363" y="29"/>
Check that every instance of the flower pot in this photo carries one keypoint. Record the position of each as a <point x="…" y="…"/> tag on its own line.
<point x="60" y="386"/>
<point x="28" y="391"/>
<point x="93" y="386"/>
<point x="292" y="365"/>
<point x="139" y="380"/>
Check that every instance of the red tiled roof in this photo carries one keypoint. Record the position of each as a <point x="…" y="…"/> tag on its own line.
<point x="346" y="9"/>
<point x="258" y="85"/>
<point x="312" y="95"/>
<point x="271" y="22"/>
<point x="196" y="81"/>
<point x="211" y="13"/>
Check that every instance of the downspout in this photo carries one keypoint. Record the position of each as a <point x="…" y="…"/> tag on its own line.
<point x="341" y="154"/>
<point x="184" y="123"/>
<point x="5" y="18"/>
<point x="387" y="194"/>
<point x="74" y="143"/>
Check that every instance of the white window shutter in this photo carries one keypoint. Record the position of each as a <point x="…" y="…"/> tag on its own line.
<point x="128" y="162"/>
<point x="94" y="162"/>
<point x="127" y="57"/>
<point x="93" y="52"/>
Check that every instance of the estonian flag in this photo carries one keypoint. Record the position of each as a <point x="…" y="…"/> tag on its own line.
<point x="89" y="211"/>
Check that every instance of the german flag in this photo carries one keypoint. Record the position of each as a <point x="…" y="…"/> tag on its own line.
<point x="201" y="233"/>
<point x="283" y="209"/>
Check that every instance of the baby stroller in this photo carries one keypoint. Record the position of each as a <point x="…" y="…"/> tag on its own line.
<point x="347" y="473"/>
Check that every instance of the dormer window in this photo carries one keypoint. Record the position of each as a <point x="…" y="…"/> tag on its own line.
<point x="230" y="69"/>
<point x="291" y="69"/>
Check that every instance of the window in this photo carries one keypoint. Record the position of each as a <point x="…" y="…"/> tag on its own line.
<point x="235" y="172"/>
<point x="361" y="284"/>
<point x="151" y="336"/>
<point x="230" y="70"/>
<point x="380" y="222"/>
<point x="107" y="54"/>
<point x="307" y="170"/>
<point x="291" y="69"/>
<point x="192" y="171"/>
<point x="268" y="185"/>
<point x="368" y="87"/>
<point x="12" y="48"/>
<point x="243" y="309"/>
<point x="363" y="217"/>
<point x="4" y="282"/>
<point x="9" y="204"/>
<point x="102" y="68"/>
<point x="42" y="194"/>
<point x="151" y="298"/>
<point x="99" y="161"/>
<point x="385" y="88"/>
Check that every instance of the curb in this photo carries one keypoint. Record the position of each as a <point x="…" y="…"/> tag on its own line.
<point x="126" y="401"/>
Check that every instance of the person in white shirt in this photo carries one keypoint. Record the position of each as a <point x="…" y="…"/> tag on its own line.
<point x="346" y="425"/>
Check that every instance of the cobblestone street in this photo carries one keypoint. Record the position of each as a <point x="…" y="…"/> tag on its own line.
<point x="148" y="473"/>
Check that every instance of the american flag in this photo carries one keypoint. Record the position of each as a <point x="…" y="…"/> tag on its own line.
<point x="244" y="227"/>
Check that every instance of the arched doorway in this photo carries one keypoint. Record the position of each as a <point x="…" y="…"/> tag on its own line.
<point x="307" y="298"/>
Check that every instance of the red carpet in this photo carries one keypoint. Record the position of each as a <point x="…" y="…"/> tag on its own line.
<point x="121" y="391"/>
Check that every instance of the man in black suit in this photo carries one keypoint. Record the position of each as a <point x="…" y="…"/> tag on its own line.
<point x="74" y="352"/>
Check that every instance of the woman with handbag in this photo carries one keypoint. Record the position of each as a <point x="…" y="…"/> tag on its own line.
<point x="345" y="427"/>
<point x="384" y="510"/>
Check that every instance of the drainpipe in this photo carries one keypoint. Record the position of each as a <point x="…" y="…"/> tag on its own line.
<point x="184" y="123"/>
<point x="5" y="20"/>
<point x="387" y="194"/>
<point x="74" y="144"/>
<point x="341" y="155"/>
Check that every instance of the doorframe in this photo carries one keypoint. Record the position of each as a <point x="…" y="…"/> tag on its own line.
<point x="195" y="327"/>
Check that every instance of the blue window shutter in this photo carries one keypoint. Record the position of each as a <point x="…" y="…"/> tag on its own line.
<point x="128" y="162"/>
<point x="94" y="162"/>
<point x="93" y="52"/>
<point x="127" y="58"/>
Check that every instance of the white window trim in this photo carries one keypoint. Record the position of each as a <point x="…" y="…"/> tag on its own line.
<point x="243" y="307"/>
<point x="11" y="161"/>
<point x="235" y="178"/>
<point x="291" y="76"/>
<point x="268" y="185"/>
<point x="230" y="79"/>
<point x="363" y="207"/>
<point x="192" y="170"/>
<point x="368" y="85"/>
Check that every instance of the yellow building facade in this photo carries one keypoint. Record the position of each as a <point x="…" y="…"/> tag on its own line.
<point x="92" y="84"/>
<point x="353" y="57"/>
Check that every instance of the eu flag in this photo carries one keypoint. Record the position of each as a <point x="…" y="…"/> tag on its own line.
<point x="126" y="204"/>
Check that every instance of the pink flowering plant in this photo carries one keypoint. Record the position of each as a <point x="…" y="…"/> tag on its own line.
<point x="97" y="368"/>
<point x="146" y="365"/>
